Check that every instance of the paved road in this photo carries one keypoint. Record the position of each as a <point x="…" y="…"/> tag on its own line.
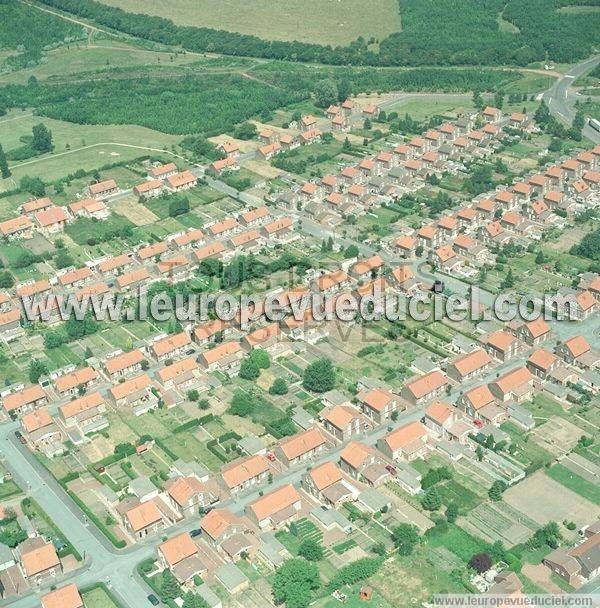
<point x="102" y="562"/>
<point x="561" y="99"/>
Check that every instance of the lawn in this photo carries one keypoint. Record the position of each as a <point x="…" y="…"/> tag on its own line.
<point x="317" y="21"/>
<point x="9" y="488"/>
<point x="423" y="109"/>
<point x="455" y="539"/>
<point x="101" y="55"/>
<point x="77" y="146"/>
<point x="574" y="482"/>
<point x="99" y="597"/>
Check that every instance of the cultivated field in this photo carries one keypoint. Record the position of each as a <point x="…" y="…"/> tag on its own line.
<point x="319" y="21"/>
<point x="544" y="500"/>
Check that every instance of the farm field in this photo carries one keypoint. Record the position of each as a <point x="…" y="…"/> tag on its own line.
<point x="328" y="23"/>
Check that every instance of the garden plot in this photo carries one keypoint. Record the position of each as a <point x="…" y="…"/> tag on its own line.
<point x="545" y="500"/>
<point x="490" y="523"/>
<point x="558" y="436"/>
<point x="582" y="467"/>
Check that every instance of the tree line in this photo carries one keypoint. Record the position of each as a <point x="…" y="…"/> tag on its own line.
<point x="434" y="31"/>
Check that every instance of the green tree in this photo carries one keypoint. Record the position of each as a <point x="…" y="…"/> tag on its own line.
<point x="249" y="370"/>
<point x="242" y="403"/>
<point x="452" y="512"/>
<point x="367" y="126"/>
<point x="481" y="562"/>
<point x="351" y="251"/>
<point x="432" y="500"/>
<point x="169" y="586"/>
<point x="279" y="387"/>
<point x="4" y="170"/>
<point x="319" y="376"/>
<point x="261" y="358"/>
<point x="37" y="368"/>
<point x="326" y="92"/>
<point x="405" y="538"/>
<point x="33" y="185"/>
<point x="508" y="281"/>
<point x="6" y="279"/>
<point x="42" y="138"/>
<point x="193" y="395"/>
<point x="495" y="492"/>
<point x="294" y="583"/>
<point x="479" y="453"/>
<point x="245" y="131"/>
<point x="346" y="146"/>
<point x="311" y="550"/>
<point x="193" y="600"/>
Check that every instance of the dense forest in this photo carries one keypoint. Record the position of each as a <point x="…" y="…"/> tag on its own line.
<point x="447" y="32"/>
<point x="29" y="31"/>
<point x="212" y="104"/>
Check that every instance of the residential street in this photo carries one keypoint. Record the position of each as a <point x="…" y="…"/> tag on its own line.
<point x="104" y="563"/>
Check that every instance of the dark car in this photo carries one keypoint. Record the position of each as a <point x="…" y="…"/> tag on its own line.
<point x="195" y="533"/>
<point x="20" y="437"/>
<point x="153" y="600"/>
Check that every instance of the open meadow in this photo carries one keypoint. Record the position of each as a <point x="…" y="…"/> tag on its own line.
<point x="318" y="21"/>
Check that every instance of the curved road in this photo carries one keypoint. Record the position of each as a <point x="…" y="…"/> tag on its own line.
<point x="561" y="99"/>
<point x="101" y="561"/>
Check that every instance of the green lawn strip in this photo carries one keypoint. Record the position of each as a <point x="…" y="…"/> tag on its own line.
<point x="574" y="482"/>
<point x="99" y="596"/>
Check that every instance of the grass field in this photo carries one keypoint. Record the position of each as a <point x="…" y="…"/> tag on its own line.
<point x="98" y="598"/>
<point x="100" y="55"/>
<point x="318" y="21"/>
<point x="77" y="146"/>
<point x="574" y="482"/>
